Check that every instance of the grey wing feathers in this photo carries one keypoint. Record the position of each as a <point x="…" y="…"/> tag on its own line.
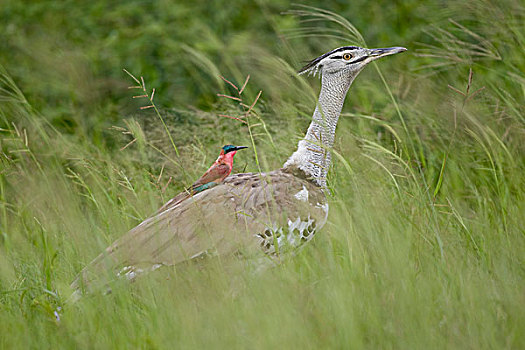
<point x="224" y="219"/>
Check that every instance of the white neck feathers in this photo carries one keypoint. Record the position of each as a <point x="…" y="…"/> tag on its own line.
<point x="313" y="152"/>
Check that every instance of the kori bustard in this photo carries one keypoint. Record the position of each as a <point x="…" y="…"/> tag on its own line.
<point x="252" y="212"/>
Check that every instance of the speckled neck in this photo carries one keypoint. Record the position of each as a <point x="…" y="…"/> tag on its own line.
<point x="313" y="152"/>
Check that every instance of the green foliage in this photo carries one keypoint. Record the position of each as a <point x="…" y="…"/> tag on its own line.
<point x="424" y="246"/>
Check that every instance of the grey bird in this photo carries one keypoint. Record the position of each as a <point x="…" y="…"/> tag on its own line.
<point x="252" y="214"/>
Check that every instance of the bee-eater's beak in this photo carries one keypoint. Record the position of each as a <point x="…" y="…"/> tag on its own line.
<point x="239" y="147"/>
<point x="377" y="53"/>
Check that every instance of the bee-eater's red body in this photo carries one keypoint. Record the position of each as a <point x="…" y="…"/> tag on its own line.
<point x="218" y="171"/>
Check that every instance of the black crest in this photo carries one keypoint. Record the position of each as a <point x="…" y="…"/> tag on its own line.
<point x="315" y="61"/>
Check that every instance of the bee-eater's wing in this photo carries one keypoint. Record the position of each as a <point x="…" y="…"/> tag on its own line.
<point x="214" y="174"/>
<point x="228" y="218"/>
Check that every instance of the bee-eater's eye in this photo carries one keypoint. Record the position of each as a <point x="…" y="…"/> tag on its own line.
<point x="347" y="56"/>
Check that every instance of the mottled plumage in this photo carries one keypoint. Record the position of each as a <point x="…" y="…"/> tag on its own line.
<point x="245" y="213"/>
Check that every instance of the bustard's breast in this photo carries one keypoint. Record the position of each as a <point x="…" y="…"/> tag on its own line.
<point x="290" y="208"/>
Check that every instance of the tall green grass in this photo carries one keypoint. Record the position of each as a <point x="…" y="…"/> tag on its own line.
<point x="424" y="245"/>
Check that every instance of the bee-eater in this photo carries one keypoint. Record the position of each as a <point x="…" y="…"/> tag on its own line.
<point x="212" y="177"/>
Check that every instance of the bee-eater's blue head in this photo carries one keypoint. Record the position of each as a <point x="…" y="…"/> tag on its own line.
<point x="231" y="148"/>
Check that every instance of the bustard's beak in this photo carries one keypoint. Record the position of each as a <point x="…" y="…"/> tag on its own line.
<point x="377" y="53"/>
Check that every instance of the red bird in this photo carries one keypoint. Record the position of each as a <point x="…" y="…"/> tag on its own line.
<point x="212" y="177"/>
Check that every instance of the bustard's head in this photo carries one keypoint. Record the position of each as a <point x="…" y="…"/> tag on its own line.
<point x="347" y="59"/>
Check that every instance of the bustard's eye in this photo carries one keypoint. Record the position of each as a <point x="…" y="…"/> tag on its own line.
<point x="347" y="56"/>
